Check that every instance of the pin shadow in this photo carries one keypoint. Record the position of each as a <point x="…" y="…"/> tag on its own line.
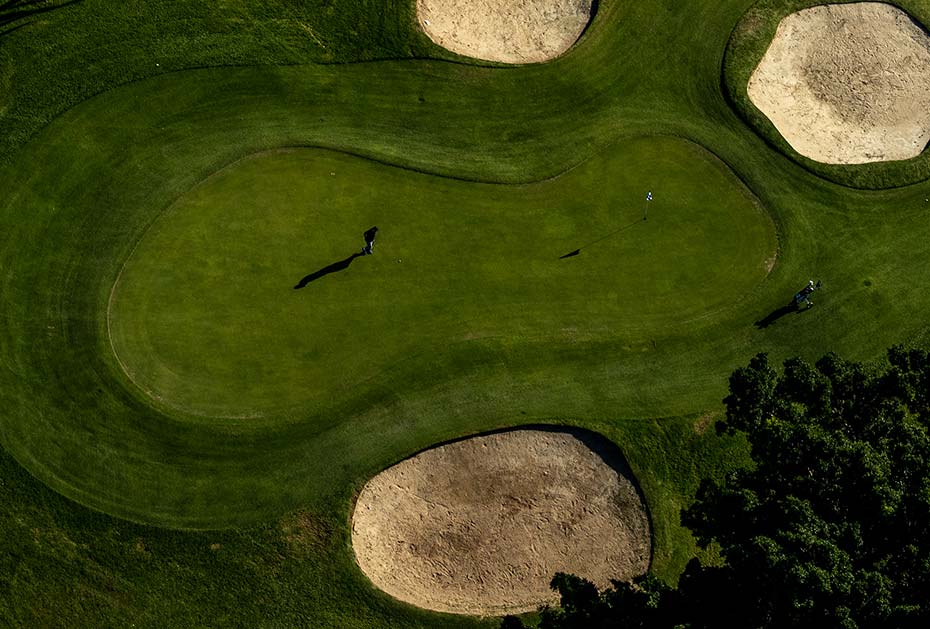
<point x="335" y="267"/>
<point x="577" y="251"/>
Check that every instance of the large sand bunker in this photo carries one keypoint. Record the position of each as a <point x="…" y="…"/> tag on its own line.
<point x="512" y="31"/>
<point x="480" y="526"/>
<point x="848" y="83"/>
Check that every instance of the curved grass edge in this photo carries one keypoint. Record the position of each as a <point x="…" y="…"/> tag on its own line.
<point x="709" y="318"/>
<point x="391" y="34"/>
<point x="143" y="413"/>
<point x="185" y="597"/>
<point x="749" y="42"/>
<point x="630" y="363"/>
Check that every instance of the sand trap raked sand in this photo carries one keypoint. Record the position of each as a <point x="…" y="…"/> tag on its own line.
<point x="480" y="526"/>
<point x="848" y="83"/>
<point x="512" y="31"/>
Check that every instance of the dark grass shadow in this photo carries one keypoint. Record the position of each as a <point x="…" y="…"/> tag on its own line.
<point x="595" y="7"/>
<point x="4" y="31"/>
<point x="777" y="314"/>
<point x="14" y="10"/>
<point x="18" y="4"/>
<point x="335" y="267"/>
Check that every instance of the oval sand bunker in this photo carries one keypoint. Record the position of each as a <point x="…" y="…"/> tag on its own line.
<point x="480" y="526"/>
<point x="511" y="31"/>
<point x="847" y="83"/>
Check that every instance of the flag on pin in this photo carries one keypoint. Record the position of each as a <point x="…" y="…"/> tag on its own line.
<point x="649" y="196"/>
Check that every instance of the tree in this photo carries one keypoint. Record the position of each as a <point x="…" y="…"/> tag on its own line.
<point x="511" y="622"/>
<point x="829" y="527"/>
<point x="636" y="605"/>
<point x="832" y="524"/>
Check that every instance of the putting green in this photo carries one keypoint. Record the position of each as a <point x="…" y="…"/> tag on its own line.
<point x="205" y="318"/>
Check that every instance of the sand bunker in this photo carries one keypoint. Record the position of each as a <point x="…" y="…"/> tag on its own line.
<point x="512" y="31"/>
<point x="848" y="83"/>
<point x="480" y="526"/>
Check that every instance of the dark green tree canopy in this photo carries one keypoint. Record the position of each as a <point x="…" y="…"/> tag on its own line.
<point x="646" y="602"/>
<point x="830" y="526"/>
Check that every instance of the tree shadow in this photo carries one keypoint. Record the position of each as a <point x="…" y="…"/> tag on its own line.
<point x="335" y="267"/>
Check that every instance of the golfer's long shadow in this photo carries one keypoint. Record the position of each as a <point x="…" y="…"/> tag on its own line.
<point x="342" y="265"/>
<point x="775" y="315"/>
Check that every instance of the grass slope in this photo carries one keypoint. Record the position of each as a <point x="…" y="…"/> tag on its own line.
<point x="92" y="179"/>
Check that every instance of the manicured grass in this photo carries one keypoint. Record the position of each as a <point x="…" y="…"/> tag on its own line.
<point x="205" y="318"/>
<point x="85" y="184"/>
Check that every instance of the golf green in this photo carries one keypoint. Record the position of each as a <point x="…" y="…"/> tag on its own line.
<point x="172" y="170"/>
<point x="205" y="316"/>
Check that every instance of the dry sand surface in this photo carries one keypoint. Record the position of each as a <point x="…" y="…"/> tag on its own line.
<point x="480" y="526"/>
<point x="848" y="83"/>
<point x="512" y="31"/>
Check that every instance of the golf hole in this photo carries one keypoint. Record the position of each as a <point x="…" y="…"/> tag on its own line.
<point x="480" y="526"/>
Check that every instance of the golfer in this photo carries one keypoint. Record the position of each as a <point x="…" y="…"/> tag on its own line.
<point x="369" y="240"/>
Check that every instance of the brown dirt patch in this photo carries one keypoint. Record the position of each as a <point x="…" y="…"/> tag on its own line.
<point x="705" y="421"/>
<point x="848" y="83"/>
<point x="480" y="526"/>
<point x="302" y="530"/>
<point x="511" y="31"/>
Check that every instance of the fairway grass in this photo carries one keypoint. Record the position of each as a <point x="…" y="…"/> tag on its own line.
<point x="205" y="319"/>
<point x="189" y="166"/>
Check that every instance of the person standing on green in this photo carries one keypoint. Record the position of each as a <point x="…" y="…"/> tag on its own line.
<point x="369" y="240"/>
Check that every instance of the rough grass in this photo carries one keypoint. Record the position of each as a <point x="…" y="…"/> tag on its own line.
<point x="98" y="173"/>
<point x="59" y="53"/>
